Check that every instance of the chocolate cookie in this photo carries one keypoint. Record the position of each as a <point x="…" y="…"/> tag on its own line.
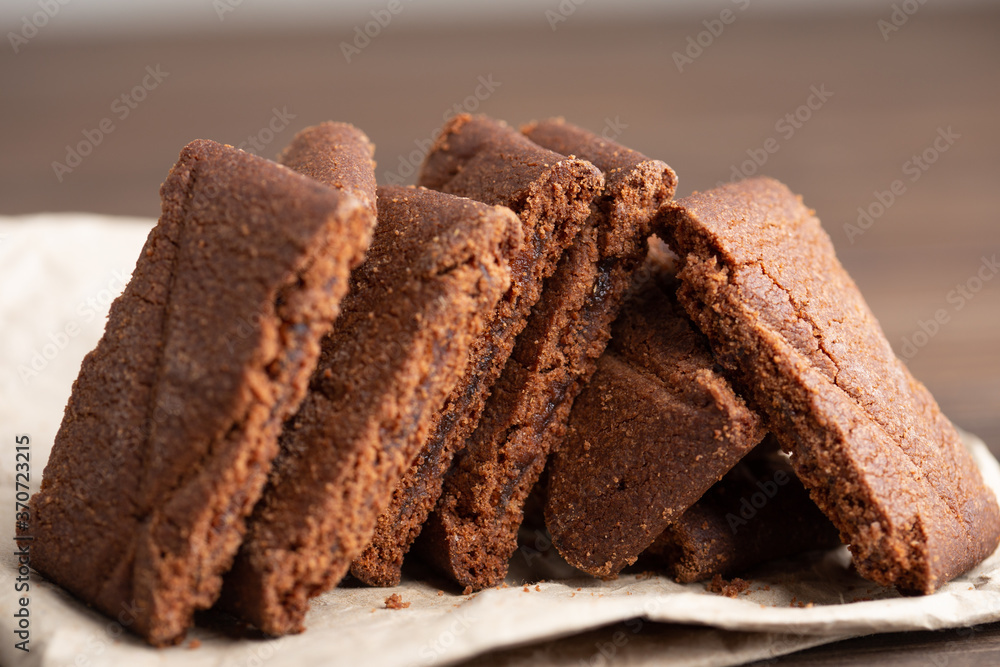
<point x="484" y="159"/>
<point x="473" y="531"/>
<point x="337" y="155"/>
<point x="173" y="422"/>
<point x="761" y="280"/>
<point x="758" y="512"/>
<point x="436" y="268"/>
<point x="656" y="427"/>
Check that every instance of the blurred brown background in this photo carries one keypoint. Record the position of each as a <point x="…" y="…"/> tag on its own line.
<point x="885" y="81"/>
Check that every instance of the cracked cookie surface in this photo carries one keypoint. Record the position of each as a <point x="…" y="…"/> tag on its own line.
<point x="761" y="280"/>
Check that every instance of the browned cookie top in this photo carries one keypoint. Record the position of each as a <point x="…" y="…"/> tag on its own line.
<point x="634" y="183"/>
<point x="762" y="281"/>
<point x="482" y="158"/>
<point x="336" y="154"/>
<point x="173" y="421"/>
<point x="437" y="267"/>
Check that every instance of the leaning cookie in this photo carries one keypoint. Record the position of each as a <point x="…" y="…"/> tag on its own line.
<point x="436" y="268"/>
<point x="656" y="427"/>
<point x="173" y="422"/>
<point x="760" y="278"/>
<point x="486" y="160"/>
<point x="473" y="530"/>
<point x="337" y="155"/>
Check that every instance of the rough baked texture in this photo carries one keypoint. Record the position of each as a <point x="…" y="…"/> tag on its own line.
<point x="656" y="427"/>
<point x="436" y="268"/>
<point x="758" y="512"/>
<point x="473" y="531"/>
<point x="337" y="155"/>
<point x="173" y="421"/>
<point x="761" y="280"/>
<point x="486" y="160"/>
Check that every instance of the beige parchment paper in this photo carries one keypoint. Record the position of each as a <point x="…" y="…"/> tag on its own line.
<point x="59" y="274"/>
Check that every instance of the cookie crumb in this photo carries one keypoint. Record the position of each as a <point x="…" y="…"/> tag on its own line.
<point x="525" y="589"/>
<point x="730" y="589"/>
<point x="537" y="587"/>
<point x="194" y="643"/>
<point x="440" y="593"/>
<point x="395" y="602"/>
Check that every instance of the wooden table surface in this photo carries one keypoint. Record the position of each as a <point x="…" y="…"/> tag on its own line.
<point x="932" y="89"/>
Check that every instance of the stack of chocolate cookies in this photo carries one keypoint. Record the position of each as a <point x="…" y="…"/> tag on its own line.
<point x="310" y="375"/>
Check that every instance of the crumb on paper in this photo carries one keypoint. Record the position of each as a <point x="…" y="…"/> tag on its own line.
<point x="537" y="587"/>
<point x="525" y="589"/>
<point x="730" y="588"/>
<point x="467" y="590"/>
<point x="440" y="593"/>
<point x="194" y="643"/>
<point x="395" y="602"/>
